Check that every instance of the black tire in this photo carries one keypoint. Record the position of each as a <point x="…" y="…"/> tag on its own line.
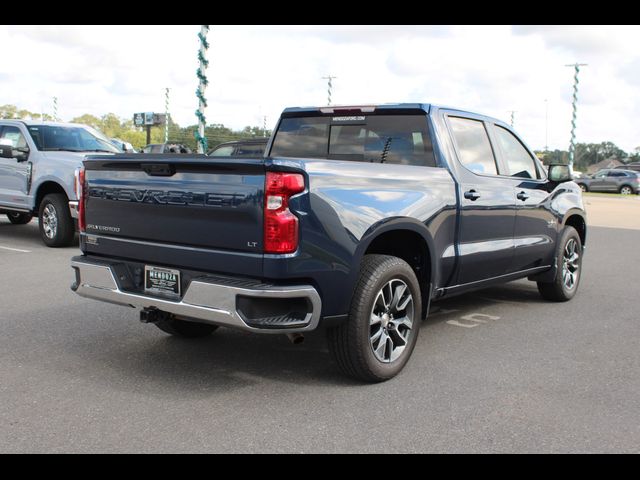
<point x="184" y="329"/>
<point x="626" y="190"/>
<point x="351" y="344"/>
<point x="55" y="208"/>
<point x="583" y="187"/>
<point x="558" y="290"/>
<point x="19" y="218"/>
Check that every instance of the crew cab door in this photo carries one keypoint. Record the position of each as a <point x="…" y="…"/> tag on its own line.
<point x="536" y="225"/>
<point x="15" y="172"/>
<point x="487" y="204"/>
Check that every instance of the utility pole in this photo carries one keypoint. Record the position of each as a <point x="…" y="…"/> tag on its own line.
<point x="166" y="115"/>
<point x="264" y="126"/>
<point x="512" y="116"/>
<point x="572" y="144"/>
<point x="329" y="79"/>
<point x="202" y="85"/>
<point x="55" y="109"/>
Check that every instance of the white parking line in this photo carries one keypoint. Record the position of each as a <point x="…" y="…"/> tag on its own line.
<point x="15" y="249"/>
<point x="472" y="320"/>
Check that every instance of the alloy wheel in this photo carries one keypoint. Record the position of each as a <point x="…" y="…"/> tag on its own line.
<point x="391" y="321"/>
<point x="570" y="264"/>
<point x="50" y="221"/>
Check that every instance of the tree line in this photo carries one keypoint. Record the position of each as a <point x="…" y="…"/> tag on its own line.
<point x="116" y="127"/>
<point x="587" y="154"/>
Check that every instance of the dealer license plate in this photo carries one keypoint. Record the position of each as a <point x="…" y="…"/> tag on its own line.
<point x="162" y="281"/>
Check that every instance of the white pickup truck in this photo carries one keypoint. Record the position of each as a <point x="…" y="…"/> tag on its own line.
<point x="38" y="167"/>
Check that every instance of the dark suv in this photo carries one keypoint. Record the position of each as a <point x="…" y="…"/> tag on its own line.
<point x="254" y="147"/>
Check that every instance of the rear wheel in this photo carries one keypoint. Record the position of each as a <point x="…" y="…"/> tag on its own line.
<point x="184" y="329"/>
<point x="569" y="268"/>
<point x="626" y="190"/>
<point x="56" y="225"/>
<point x="19" y="218"/>
<point x="376" y="341"/>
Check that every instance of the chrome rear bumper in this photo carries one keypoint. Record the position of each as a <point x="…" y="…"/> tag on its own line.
<point x="203" y="301"/>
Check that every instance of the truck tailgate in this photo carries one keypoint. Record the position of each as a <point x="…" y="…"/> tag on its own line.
<point x="195" y="212"/>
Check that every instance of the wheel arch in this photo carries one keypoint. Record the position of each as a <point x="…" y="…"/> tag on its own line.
<point x="46" y="188"/>
<point x="577" y="220"/>
<point x="409" y="240"/>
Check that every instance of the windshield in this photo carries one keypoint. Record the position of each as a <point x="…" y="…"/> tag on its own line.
<point x="70" y="138"/>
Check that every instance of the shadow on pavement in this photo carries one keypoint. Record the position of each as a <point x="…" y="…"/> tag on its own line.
<point x="229" y="359"/>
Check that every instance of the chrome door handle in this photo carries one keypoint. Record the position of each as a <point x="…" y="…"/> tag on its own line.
<point x="471" y="195"/>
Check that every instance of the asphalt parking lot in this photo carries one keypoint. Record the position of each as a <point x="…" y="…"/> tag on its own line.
<point x="499" y="370"/>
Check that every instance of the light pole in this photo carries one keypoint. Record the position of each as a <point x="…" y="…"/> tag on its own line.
<point x="55" y="109"/>
<point x="572" y="144"/>
<point x="202" y="85"/>
<point x="329" y="79"/>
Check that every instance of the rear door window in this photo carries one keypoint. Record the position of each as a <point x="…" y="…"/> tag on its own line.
<point x="474" y="148"/>
<point x="395" y="139"/>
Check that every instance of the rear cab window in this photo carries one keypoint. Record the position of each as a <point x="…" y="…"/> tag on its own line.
<point x="394" y="139"/>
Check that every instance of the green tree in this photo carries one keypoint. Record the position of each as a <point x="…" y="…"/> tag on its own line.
<point x="87" y="119"/>
<point x="8" y="111"/>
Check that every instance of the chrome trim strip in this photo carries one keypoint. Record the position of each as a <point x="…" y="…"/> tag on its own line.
<point x="207" y="302"/>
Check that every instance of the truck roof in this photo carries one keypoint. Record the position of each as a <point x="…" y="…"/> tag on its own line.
<point x="32" y="123"/>
<point x="367" y="108"/>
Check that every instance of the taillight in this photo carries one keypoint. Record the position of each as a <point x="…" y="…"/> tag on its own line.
<point x="280" y="225"/>
<point x="80" y="195"/>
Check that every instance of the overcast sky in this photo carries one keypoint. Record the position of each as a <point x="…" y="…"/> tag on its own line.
<point x="259" y="70"/>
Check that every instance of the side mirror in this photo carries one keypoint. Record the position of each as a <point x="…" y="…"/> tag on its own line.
<point x="560" y="173"/>
<point x="20" y="154"/>
<point x="6" y="151"/>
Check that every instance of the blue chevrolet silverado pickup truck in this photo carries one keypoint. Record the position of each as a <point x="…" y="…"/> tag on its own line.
<point x="357" y="218"/>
